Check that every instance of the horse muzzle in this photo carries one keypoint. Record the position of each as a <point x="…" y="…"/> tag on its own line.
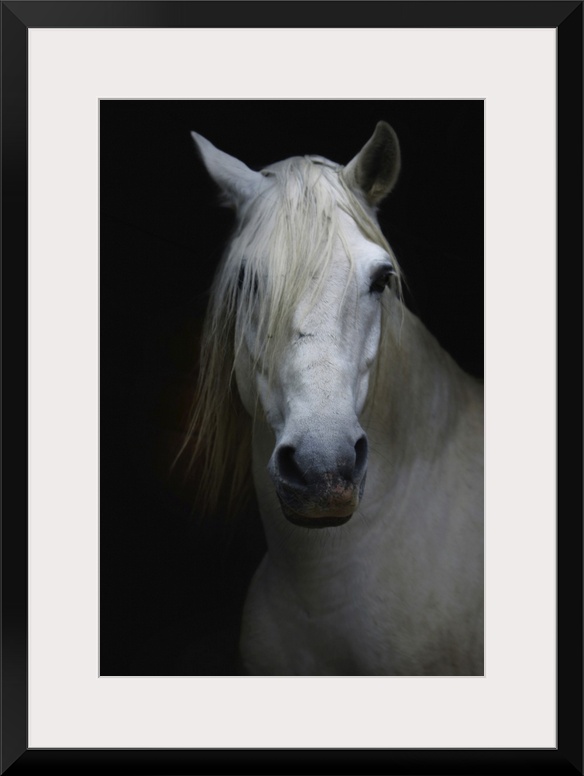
<point x="319" y="491"/>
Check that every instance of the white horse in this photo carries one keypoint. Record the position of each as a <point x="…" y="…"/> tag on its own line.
<point x="315" y="378"/>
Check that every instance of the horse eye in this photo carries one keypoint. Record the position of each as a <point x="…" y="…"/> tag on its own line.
<point x="241" y="279"/>
<point x="381" y="280"/>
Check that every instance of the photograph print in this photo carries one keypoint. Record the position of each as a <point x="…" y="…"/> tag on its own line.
<point x="291" y="387"/>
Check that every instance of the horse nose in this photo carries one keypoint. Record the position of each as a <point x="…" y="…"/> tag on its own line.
<point x="298" y="469"/>
<point x="314" y="478"/>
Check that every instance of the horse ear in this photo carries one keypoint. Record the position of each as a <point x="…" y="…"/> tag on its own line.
<point x="375" y="169"/>
<point x="235" y="179"/>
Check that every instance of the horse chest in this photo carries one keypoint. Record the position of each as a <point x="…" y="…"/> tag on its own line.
<point x="314" y="627"/>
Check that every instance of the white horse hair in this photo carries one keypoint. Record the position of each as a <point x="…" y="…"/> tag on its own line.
<point x="314" y="378"/>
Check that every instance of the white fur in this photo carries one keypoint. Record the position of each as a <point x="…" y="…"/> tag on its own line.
<point x="397" y="590"/>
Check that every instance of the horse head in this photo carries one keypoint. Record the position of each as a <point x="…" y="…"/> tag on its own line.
<point x="301" y="287"/>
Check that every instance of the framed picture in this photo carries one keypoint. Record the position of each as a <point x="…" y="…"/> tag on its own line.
<point x="121" y="610"/>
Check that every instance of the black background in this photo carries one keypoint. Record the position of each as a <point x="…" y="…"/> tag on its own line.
<point x="172" y="586"/>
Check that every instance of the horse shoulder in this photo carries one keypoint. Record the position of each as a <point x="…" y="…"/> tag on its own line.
<point x="261" y="649"/>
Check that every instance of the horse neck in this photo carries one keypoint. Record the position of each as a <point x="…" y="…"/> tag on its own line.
<point x="419" y="394"/>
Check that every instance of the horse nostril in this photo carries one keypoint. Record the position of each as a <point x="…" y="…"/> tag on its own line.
<point x="360" y="457"/>
<point x="288" y="469"/>
<point x="352" y="467"/>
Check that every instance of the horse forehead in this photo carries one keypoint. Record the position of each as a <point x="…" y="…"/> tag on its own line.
<point x="363" y="250"/>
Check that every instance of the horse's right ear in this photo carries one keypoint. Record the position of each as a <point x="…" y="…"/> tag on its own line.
<point x="375" y="169"/>
<point x="235" y="179"/>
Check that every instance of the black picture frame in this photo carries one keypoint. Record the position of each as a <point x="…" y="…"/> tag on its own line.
<point x="16" y="19"/>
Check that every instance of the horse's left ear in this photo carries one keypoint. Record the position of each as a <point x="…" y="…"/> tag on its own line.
<point x="375" y="169"/>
